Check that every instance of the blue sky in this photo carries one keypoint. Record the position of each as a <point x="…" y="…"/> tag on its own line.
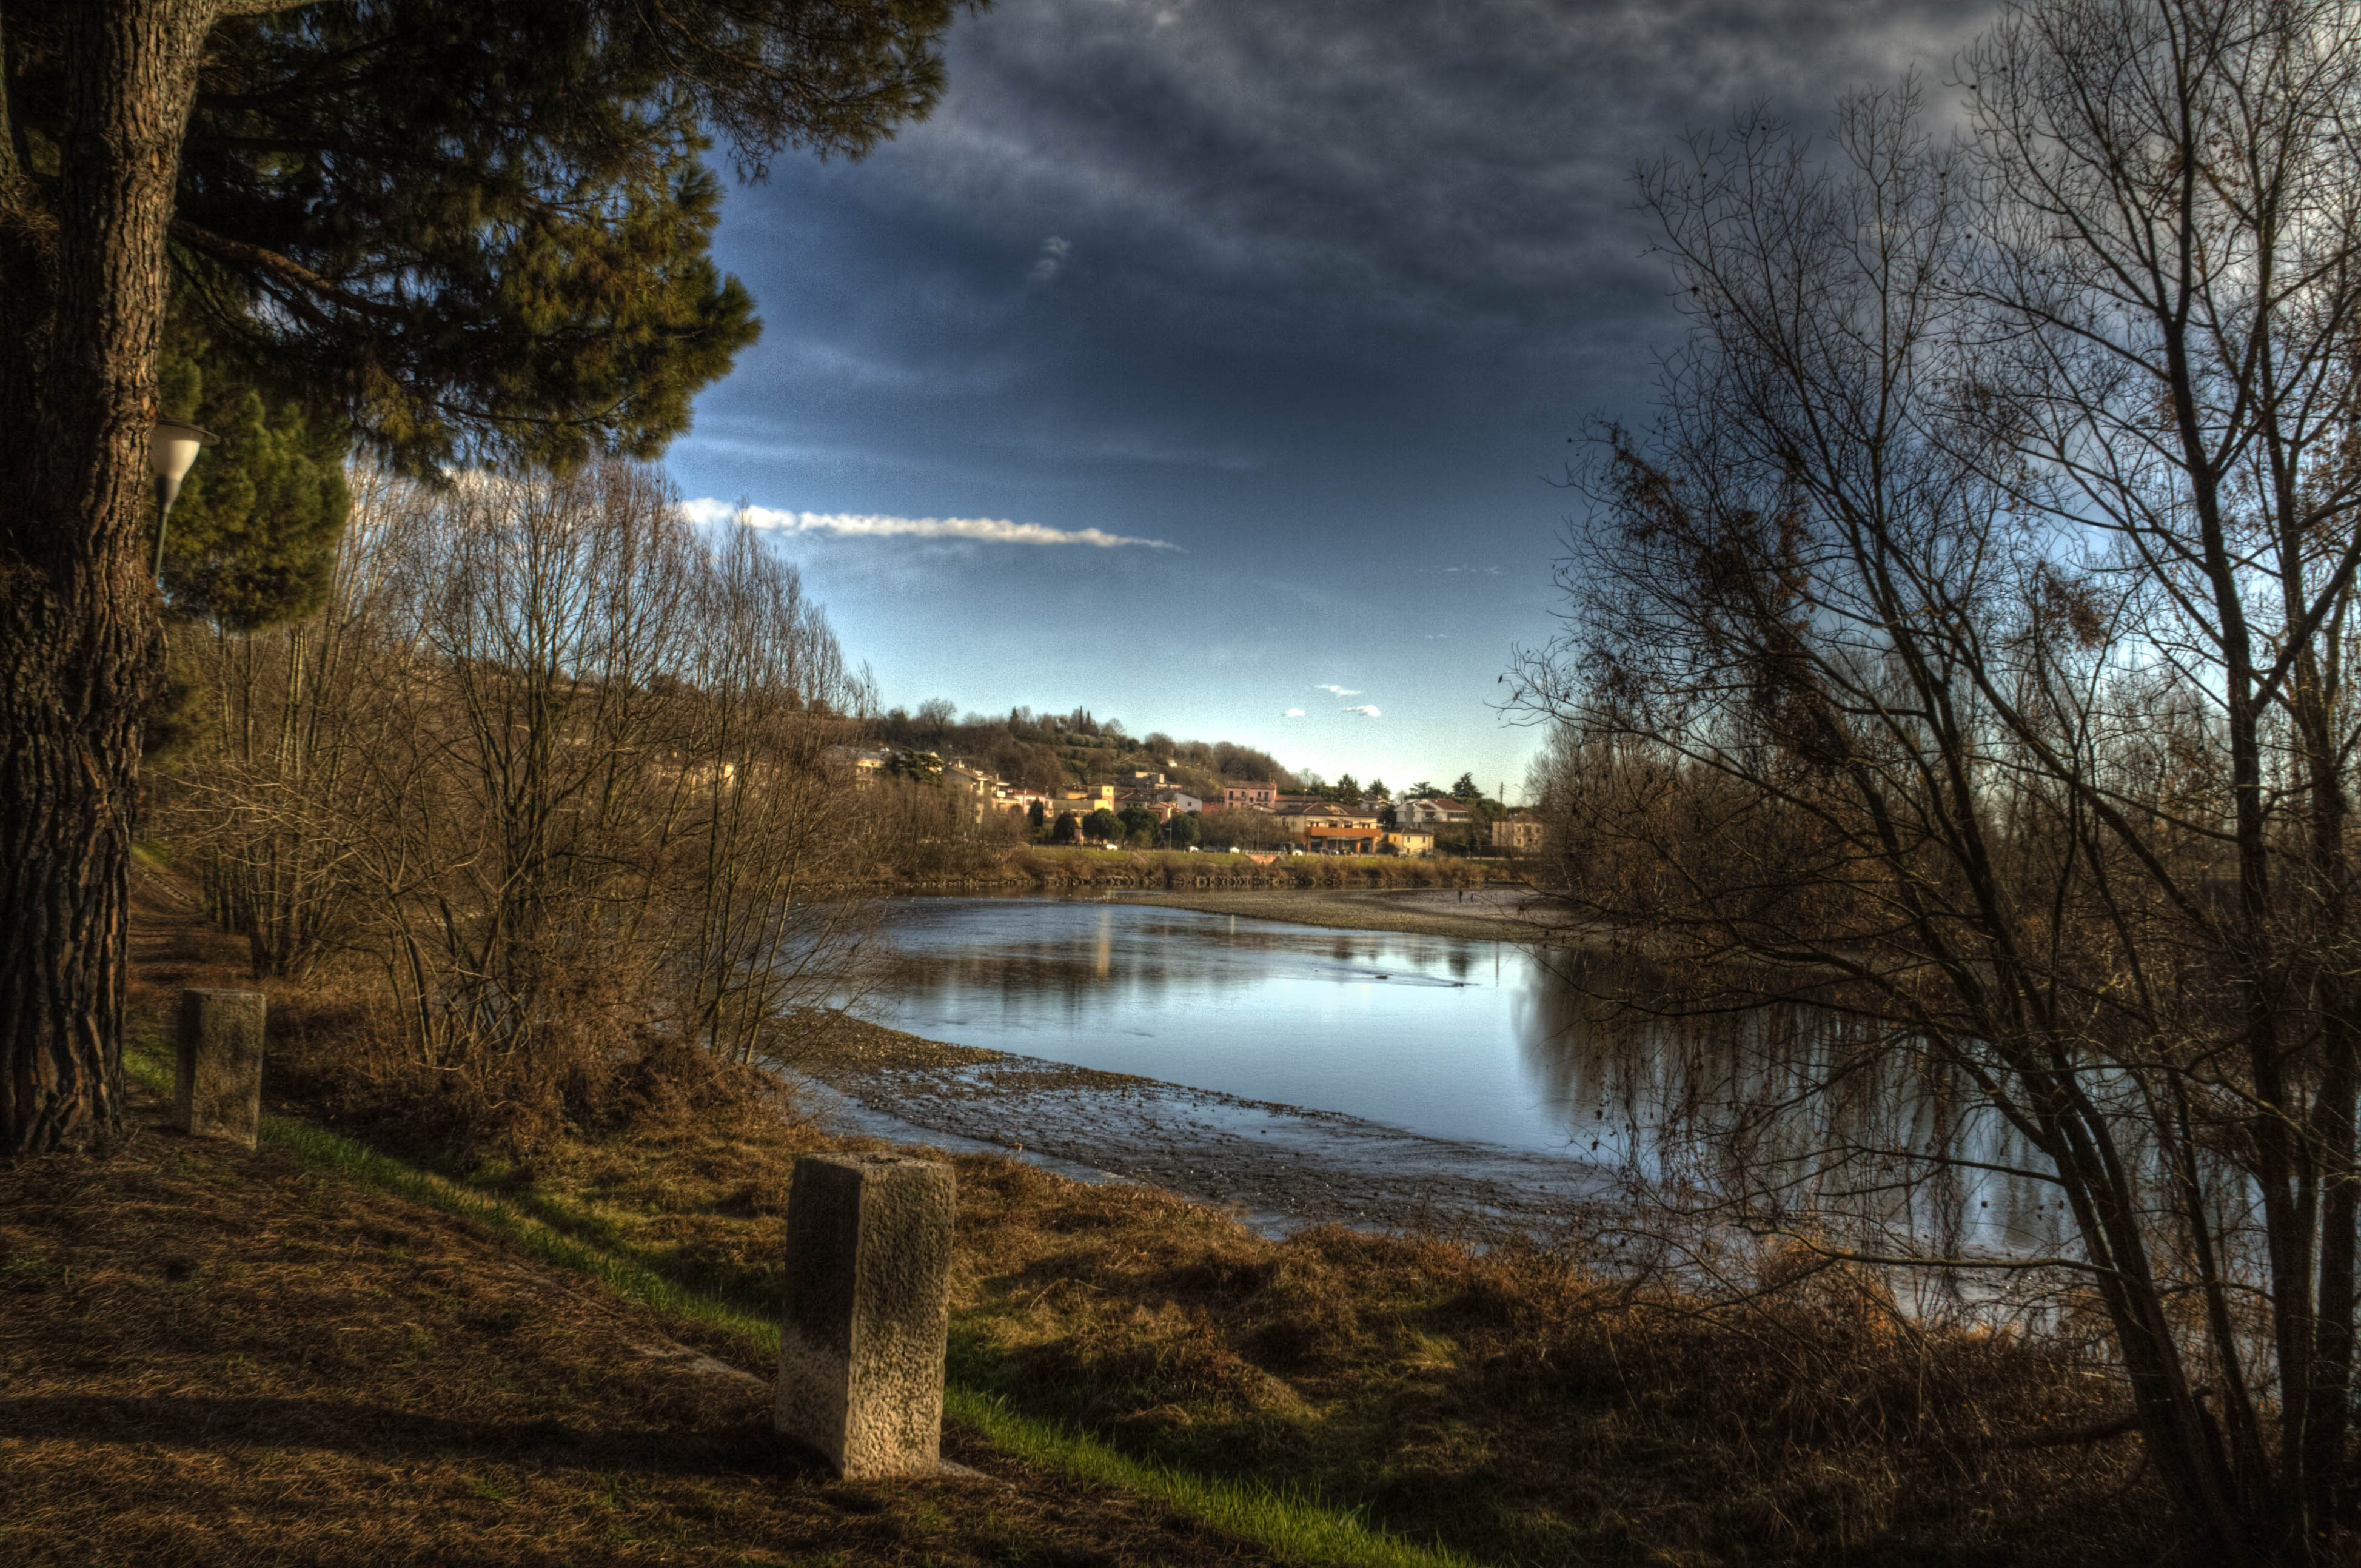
<point x="1208" y="363"/>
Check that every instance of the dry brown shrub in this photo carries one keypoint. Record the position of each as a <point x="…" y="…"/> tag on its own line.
<point x="672" y="1082"/>
<point x="1804" y="1419"/>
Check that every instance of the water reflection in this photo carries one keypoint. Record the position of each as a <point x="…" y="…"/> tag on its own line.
<point x="1479" y="1041"/>
<point x="1417" y="1032"/>
<point x="1807" y="1112"/>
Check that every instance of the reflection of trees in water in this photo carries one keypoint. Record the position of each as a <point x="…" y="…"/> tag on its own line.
<point x="1740" y="1130"/>
<point x="1083" y="960"/>
<point x="1797" y="1117"/>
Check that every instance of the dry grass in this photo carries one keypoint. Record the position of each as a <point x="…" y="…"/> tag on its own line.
<point x="216" y="1357"/>
<point x="1523" y="1409"/>
<point x="1508" y="1403"/>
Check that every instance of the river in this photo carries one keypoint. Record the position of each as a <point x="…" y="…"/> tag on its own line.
<point x="1444" y="1037"/>
<point x="1306" y="1073"/>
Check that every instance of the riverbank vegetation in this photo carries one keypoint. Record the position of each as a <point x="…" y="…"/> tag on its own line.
<point x="549" y="785"/>
<point x="1509" y="1404"/>
<point x="1050" y="866"/>
<point x="1520" y="1403"/>
<point x="1968" y="650"/>
<point x="548" y="779"/>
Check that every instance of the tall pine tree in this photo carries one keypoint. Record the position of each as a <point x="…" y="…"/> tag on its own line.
<point x="456" y="229"/>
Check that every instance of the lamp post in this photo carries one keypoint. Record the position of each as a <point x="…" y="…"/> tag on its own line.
<point x="171" y="447"/>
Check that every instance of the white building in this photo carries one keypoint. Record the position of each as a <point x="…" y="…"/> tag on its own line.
<point x="1434" y="811"/>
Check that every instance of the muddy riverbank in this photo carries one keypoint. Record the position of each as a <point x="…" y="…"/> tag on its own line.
<point x="1507" y="913"/>
<point x="1282" y="1167"/>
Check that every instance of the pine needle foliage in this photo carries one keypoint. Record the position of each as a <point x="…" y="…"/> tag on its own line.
<point x="480" y="228"/>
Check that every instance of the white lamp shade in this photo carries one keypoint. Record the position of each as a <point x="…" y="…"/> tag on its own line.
<point x="171" y="447"/>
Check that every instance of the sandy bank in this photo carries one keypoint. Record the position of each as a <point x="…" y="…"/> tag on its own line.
<point x="1483" y="913"/>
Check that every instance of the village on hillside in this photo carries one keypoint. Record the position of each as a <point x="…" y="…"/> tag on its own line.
<point x="1145" y="806"/>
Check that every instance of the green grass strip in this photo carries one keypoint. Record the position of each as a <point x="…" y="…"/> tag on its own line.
<point x="1293" y="1525"/>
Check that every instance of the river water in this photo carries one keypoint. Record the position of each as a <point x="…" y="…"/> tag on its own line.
<point x="1483" y="1058"/>
<point x="1437" y="1036"/>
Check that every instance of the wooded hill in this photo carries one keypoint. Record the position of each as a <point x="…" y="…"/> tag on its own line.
<point x="1055" y="750"/>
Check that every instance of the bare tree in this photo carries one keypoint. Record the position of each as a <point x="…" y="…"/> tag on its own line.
<point x="774" y="818"/>
<point x="563" y="769"/>
<point x="1964" y="650"/>
<point x="271" y="813"/>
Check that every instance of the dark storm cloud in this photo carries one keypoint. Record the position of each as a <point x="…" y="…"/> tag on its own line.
<point x="1467" y="159"/>
<point x="1138" y="232"/>
<point x="1313" y="291"/>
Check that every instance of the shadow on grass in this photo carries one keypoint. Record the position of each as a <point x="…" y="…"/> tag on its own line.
<point x="372" y="1432"/>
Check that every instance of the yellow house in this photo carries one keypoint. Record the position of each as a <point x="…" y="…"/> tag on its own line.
<point x="1083" y="802"/>
<point x="1410" y="840"/>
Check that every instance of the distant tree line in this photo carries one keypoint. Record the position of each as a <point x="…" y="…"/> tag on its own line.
<point x="1053" y="752"/>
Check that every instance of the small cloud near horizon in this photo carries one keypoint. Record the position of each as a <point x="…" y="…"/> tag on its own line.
<point x="1366" y="710"/>
<point x="1337" y="691"/>
<point x="854" y="525"/>
<point x="1292" y="713"/>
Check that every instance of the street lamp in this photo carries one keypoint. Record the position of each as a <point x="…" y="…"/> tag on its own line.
<point x="171" y="447"/>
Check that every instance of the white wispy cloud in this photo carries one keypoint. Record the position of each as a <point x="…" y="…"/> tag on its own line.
<point x="1337" y="691"/>
<point x="1052" y="260"/>
<point x="1292" y="713"/>
<point x="1366" y="710"/>
<point x="863" y="525"/>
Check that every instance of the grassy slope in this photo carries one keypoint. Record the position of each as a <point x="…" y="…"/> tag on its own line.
<point x="223" y="1357"/>
<point x="1505" y="1405"/>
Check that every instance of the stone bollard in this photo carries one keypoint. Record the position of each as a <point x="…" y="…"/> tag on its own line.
<point x="867" y="1311"/>
<point x="218" y="1089"/>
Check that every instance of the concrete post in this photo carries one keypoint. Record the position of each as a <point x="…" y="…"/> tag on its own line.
<point x="218" y="1088"/>
<point x="867" y="1311"/>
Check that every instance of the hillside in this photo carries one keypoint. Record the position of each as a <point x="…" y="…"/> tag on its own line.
<point x="1049" y="751"/>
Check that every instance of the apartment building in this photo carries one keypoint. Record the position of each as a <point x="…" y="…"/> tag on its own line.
<point x="1521" y="833"/>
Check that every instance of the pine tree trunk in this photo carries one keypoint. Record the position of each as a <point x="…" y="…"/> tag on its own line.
<point x="82" y="265"/>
